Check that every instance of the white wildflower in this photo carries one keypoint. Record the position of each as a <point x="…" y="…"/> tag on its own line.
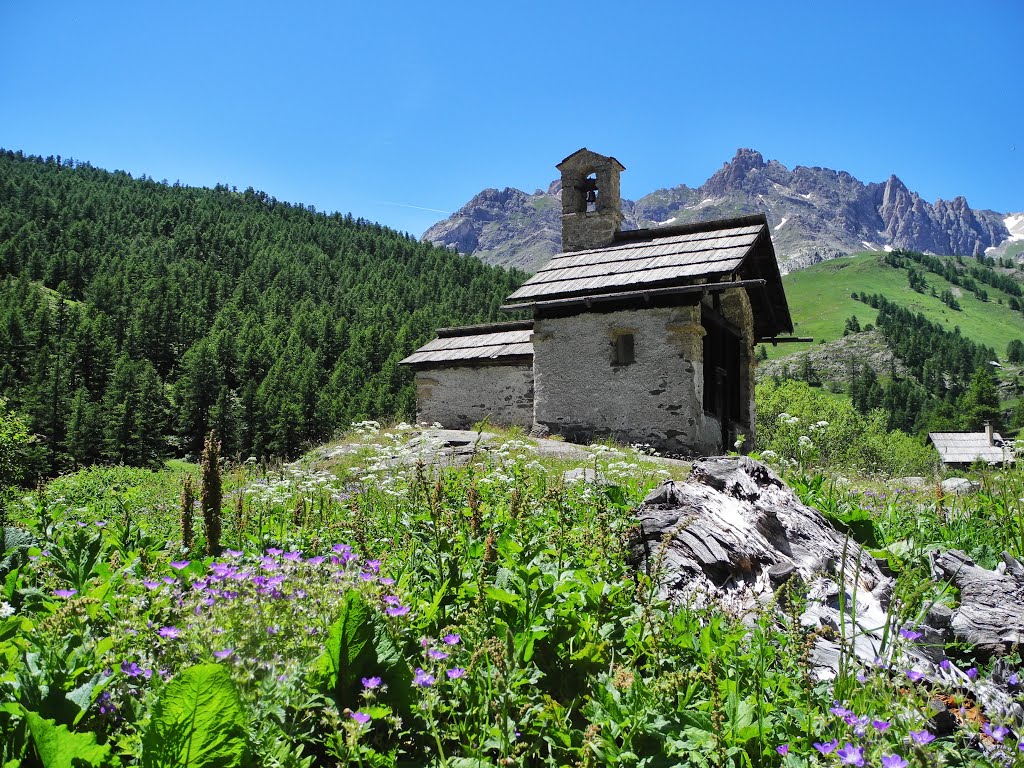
<point x="6" y="610"/>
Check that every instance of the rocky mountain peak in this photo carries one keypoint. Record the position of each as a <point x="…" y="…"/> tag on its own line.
<point x="815" y="213"/>
<point x="735" y="175"/>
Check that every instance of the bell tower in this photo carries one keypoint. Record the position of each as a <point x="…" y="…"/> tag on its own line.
<point x="591" y="203"/>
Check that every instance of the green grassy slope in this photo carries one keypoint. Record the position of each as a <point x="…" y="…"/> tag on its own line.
<point x="819" y="299"/>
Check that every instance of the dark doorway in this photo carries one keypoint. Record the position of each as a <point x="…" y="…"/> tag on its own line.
<point x="721" y="373"/>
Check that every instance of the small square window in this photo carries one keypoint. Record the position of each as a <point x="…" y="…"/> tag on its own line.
<point x="623" y="351"/>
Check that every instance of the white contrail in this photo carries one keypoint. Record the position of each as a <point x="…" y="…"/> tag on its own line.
<point x="406" y="205"/>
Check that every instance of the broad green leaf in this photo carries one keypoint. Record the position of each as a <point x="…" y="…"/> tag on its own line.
<point x="435" y="604"/>
<point x="503" y="596"/>
<point x="14" y="542"/>
<point x="197" y="721"/>
<point x="58" y="747"/>
<point x="360" y="645"/>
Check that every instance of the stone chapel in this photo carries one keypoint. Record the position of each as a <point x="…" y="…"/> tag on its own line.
<point x="642" y="336"/>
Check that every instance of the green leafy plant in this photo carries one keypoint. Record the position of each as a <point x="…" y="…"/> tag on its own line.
<point x="197" y="721"/>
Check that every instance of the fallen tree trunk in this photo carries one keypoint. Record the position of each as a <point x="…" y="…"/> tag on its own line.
<point x="990" y="614"/>
<point x="733" y="532"/>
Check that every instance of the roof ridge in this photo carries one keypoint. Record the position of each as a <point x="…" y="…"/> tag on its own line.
<point x="630" y="235"/>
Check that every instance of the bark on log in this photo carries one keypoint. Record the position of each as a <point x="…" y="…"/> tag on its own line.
<point x="990" y="615"/>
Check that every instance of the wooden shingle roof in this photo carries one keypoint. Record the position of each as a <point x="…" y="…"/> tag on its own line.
<point x="495" y="342"/>
<point x="668" y="257"/>
<point x="968" y="447"/>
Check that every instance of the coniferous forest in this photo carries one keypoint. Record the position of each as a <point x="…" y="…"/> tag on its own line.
<point x="136" y="316"/>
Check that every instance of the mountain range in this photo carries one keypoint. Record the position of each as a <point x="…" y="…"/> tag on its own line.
<point x="815" y="214"/>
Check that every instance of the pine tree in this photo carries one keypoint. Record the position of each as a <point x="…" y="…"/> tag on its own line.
<point x="980" y="403"/>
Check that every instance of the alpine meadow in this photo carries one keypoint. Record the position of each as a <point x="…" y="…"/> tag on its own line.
<point x="228" y="541"/>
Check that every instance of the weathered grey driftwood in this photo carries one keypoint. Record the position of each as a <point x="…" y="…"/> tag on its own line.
<point x="990" y="614"/>
<point x="734" y="531"/>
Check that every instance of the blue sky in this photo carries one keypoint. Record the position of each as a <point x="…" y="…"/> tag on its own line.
<point x="370" y="107"/>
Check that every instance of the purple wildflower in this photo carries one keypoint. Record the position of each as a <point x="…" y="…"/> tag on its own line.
<point x="398" y="610"/>
<point x="294" y="556"/>
<point x="839" y="711"/>
<point x="221" y="655"/>
<point x="387" y="581"/>
<point x="451" y="639"/>
<point x="893" y="761"/>
<point x="910" y="634"/>
<point x="437" y="655"/>
<point x="233" y="553"/>
<point x="373" y="565"/>
<point x="1013" y="679"/>
<point x="998" y="733"/>
<point x="972" y="672"/>
<point x="922" y="737"/>
<point x="366" y="576"/>
<point x="168" y="579"/>
<point x="914" y="675"/>
<point x="179" y="564"/>
<point x="131" y="669"/>
<point x="274" y="551"/>
<point x="859" y="724"/>
<point x="423" y="679"/>
<point x="316" y="560"/>
<point x="782" y="749"/>
<point x="392" y="599"/>
<point x="101" y="523"/>
<point x="169" y="633"/>
<point x="851" y="755"/>
<point x="881" y="725"/>
<point x="371" y="682"/>
<point x="361" y="717"/>
<point x="827" y="747"/>
<point x="455" y="673"/>
<point x="65" y="592"/>
<point x="945" y="665"/>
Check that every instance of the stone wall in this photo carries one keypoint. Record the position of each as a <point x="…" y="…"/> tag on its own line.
<point x="459" y="397"/>
<point x="657" y="399"/>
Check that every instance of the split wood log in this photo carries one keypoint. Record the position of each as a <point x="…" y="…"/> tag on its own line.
<point x="990" y="616"/>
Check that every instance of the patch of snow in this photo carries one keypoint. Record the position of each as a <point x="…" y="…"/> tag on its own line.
<point x="868" y="245"/>
<point x="702" y="204"/>
<point x="1015" y="223"/>
<point x="779" y="225"/>
<point x="887" y="248"/>
<point x="666" y="221"/>
<point x="807" y="196"/>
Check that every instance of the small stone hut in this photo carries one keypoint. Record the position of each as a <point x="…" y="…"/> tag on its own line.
<point x="643" y="336"/>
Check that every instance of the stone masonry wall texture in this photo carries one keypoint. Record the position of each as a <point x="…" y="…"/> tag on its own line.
<point x="459" y="397"/>
<point x="581" y="394"/>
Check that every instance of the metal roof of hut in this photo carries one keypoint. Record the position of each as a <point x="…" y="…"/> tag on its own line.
<point x="476" y="344"/>
<point x="968" y="447"/>
<point x="706" y="256"/>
